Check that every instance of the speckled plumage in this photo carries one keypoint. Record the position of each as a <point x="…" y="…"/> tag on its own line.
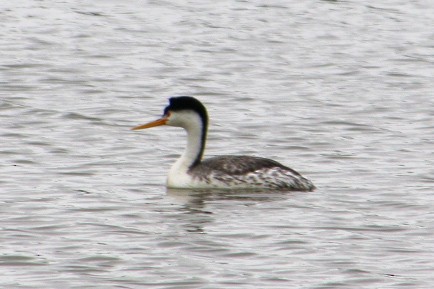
<point x="248" y="172"/>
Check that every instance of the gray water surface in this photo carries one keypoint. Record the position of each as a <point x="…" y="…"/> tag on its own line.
<point x="341" y="91"/>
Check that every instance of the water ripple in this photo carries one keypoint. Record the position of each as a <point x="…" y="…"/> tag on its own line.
<point x="339" y="91"/>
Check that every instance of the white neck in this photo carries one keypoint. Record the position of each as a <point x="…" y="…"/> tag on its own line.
<point x="192" y="123"/>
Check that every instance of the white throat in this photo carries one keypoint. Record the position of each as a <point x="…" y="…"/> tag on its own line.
<point x="193" y="124"/>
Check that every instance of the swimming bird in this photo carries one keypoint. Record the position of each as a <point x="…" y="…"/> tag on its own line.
<point x="222" y="172"/>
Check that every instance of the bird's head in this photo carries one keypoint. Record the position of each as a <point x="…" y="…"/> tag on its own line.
<point x="182" y="111"/>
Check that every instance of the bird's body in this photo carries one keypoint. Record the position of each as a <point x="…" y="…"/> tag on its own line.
<point x="239" y="172"/>
<point x="222" y="172"/>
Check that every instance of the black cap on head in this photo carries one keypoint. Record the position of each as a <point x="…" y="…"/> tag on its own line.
<point x="187" y="103"/>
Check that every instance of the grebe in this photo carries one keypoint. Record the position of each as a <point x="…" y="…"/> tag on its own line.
<point x="224" y="172"/>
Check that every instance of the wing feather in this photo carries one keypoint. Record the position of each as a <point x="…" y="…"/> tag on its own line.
<point x="241" y="165"/>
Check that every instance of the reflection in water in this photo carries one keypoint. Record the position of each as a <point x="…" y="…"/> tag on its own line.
<point x="194" y="203"/>
<point x="200" y="196"/>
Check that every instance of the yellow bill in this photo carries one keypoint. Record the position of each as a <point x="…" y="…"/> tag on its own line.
<point x="158" y="122"/>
